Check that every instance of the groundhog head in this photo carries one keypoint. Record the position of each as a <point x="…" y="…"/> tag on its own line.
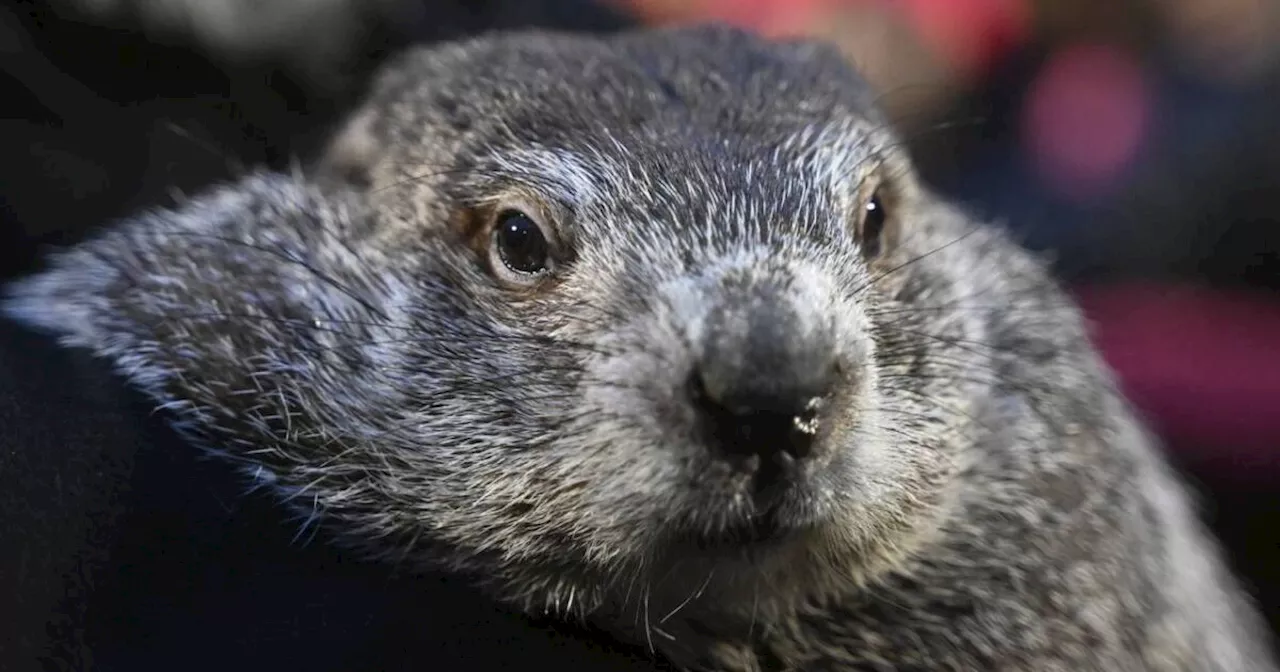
<point x="652" y="319"/>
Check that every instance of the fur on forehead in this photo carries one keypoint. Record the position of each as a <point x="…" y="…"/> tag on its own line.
<point x="830" y="158"/>
<point x="528" y="88"/>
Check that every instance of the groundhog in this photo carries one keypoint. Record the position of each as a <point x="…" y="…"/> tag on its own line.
<point x="661" y="331"/>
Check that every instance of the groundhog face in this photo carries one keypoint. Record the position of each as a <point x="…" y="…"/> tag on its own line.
<point x="660" y="314"/>
<point x="685" y="262"/>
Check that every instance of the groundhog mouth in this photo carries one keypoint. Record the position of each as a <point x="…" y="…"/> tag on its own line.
<point x="764" y="502"/>
<point x="762" y="529"/>
<point x="769" y="478"/>
<point x="763" y="476"/>
<point x="759" y="532"/>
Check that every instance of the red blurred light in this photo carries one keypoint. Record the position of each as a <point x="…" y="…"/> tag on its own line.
<point x="970" y="34"/>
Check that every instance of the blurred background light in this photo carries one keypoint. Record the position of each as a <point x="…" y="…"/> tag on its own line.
<point x="1085" y="117"/>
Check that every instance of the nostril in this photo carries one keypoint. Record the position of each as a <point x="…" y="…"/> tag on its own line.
<point x="764" y="425"/>
<point x="805" y="422"/>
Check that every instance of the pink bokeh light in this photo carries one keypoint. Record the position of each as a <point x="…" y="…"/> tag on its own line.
<point x="1202" y="365"/>
<point x="1085" y="119"/>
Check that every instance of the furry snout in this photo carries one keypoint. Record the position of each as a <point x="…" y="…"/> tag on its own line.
<point x="760" y="354"/>
<point x="767" y="357"/>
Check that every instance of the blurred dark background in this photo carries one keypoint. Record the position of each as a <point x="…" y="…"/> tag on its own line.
<point x="1134" y="142"/>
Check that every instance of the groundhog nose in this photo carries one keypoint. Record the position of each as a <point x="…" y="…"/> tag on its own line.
<point x="769" y="425"/>
<point x="764" y="373"/>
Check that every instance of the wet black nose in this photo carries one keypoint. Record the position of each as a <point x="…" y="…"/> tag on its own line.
<point x="765" y="425"/>
<point x="764" y="372"/>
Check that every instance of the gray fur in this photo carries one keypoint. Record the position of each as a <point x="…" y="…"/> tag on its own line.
<point x="981" y="497"/>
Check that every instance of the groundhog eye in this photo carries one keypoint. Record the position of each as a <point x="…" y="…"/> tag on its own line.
<point x="871" y="229"/>
<point x="520" y="243"/>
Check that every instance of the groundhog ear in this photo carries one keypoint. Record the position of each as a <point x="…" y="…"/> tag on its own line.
<point x="221" y="309"/>
<point x="227" y="268"/>
<point x="352" y="153"/>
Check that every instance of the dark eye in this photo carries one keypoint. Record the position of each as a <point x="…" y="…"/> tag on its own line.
<point x="520" y="243"/>
<point x="872" y="229"/>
